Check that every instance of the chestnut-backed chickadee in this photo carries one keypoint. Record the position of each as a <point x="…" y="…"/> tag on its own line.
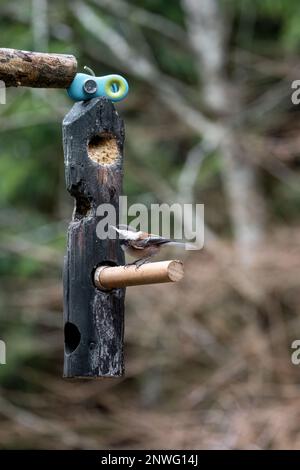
<point x="142" y="245"/>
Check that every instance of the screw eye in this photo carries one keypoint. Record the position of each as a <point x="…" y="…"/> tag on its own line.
<point x="90" y="86"/>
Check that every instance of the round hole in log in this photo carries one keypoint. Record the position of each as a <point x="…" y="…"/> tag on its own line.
<point x="72" y="337"/>
<point x="103" y="150"/>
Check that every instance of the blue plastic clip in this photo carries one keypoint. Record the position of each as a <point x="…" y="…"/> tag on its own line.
<point x="85" y="87"/>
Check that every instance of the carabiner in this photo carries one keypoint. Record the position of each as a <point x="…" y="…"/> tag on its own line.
<point x="85" y="87"/>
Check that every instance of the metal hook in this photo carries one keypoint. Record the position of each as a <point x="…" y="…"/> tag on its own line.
<point x="89" y="70"/>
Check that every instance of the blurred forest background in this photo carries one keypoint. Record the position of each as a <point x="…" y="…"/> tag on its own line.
<point x="209" y="119"/>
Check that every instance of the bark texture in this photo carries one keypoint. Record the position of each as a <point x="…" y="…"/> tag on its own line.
<point x="36" y="69"/>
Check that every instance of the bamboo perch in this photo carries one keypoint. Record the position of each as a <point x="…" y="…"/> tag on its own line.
<point x="36" y="69"/>
<point x="107" y="277"/>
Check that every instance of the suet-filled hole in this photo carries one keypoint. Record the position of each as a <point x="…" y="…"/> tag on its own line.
<point x="72" y="337"/>
<point x="103" y="150"/>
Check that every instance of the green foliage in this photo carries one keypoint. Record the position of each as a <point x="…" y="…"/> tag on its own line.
<point x="171" y="10"/>
<point x="283" y="15"/>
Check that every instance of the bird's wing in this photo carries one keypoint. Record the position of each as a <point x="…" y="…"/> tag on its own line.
<point x="138" y="244"/>
<point x="149" y="241"/>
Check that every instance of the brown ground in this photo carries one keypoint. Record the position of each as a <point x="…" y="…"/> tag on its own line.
<point x="208" y="362"/>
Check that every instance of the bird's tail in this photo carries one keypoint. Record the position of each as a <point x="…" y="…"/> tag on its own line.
<point x="171" y="243"/>
<point x="187" y="246"/>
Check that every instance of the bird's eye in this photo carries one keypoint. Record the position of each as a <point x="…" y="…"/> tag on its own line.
<point x="90" y="86"/>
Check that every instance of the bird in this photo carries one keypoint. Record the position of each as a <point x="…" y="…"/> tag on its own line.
<point x="142" y="245"/>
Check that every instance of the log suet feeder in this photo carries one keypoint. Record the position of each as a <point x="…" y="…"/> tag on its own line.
<point x="93" y="137"/>
<point x="94" y="273"/>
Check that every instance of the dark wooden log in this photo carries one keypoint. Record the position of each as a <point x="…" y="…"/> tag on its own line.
<point x="36" y="69"/>
<point x="93" y="136"/>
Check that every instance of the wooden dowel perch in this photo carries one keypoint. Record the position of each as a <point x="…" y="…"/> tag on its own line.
<point x="36" y="69"/>
<point x="107" y="277"/>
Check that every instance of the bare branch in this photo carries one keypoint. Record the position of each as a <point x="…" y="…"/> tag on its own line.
<point x="145" y="18"/>
<point x="189" y="173"/>
<point x="206" y="30"/>
<point x="207" y="36"/>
